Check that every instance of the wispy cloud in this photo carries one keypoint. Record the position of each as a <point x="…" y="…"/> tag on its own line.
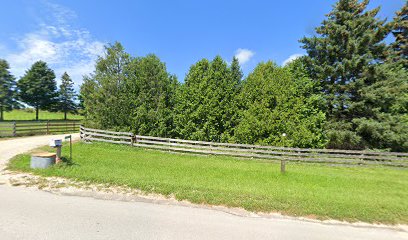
<point x="244" y="55"/>
<point x="63" y="47"/>
<point x="292" y="58"/>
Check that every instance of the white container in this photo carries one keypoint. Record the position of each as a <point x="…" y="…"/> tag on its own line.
<point x="56" y="143"/>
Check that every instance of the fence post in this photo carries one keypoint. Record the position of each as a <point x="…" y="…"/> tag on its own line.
<point x="14" y="129"/>
<point x="283" y="162"/>
<point x="132" y="139"/>
<point x="81" y="132"/>
<point x="48" y="127"/>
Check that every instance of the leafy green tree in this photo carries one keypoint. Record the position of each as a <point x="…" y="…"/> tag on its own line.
<point x="132" y="94"/>
<point x="103" y="91"/>
<point x="343" y="57"/>
<point x="37" y="87"/>
<point x="7" y="88"/>
<point x="67" y="95"/>
<point x="399" y="26"/>
<point x="280" y="108"/>
<point x="206" y="108"/>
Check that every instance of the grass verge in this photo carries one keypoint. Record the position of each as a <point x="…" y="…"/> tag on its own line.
<point x="369" y="194"/>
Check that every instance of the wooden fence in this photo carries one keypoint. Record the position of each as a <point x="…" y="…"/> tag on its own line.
<point x="348" y="157"/>
<point x="24" y="128"/>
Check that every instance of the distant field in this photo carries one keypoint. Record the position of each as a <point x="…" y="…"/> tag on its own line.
<point x="369" y="194"/>
<point x="29" y="114"/>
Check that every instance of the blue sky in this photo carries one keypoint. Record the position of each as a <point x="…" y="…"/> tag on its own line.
<point x="69" y="35"/>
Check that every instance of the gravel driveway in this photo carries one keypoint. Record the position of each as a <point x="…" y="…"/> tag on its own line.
<point x="11" y="147"/>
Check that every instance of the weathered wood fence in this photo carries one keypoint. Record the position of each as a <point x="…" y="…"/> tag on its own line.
<point x="348" y="157"/>
<point x="24" y="128"/>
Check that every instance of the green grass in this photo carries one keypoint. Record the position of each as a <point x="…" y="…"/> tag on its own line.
<point x="375" y="194"/>
<point x="29" y="114"/>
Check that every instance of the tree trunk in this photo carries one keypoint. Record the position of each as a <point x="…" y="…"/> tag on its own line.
<point x="1" y="113"/>
<point x="36" y="113"/>
<point x="65" y="115"/>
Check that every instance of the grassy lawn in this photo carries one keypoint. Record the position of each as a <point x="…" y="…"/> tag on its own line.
<point x="29" y="114"/>
<point x="375" y="194"/>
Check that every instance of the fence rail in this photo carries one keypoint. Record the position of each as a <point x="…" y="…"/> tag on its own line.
<point x="332" y="156"/>
<point x="23" y="128"/>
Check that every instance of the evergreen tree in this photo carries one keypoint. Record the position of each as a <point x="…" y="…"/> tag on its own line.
<point x="280" y="108"/>
<point x="37" y="87"/>
<point x="205" y="108"/>
<point x="343" y="57"/>
<point x="67" y="95"/>
<point x="150" y="96"/>
<point x="236" y="71"/>
<point x="7" y="88"/>
<point x="385" y="124"/>
<point x="399" y="48"/>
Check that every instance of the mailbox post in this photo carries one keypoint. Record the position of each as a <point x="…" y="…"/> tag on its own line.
<point x="57" y="143"/>
<point x="70" y="146"/>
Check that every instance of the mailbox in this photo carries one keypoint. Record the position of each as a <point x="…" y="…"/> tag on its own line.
<point x="56" y="143"/>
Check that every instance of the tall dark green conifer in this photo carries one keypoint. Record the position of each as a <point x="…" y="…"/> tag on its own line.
<point x="37" y="87"/>
<point x="7" y="88"/>
<point x="67" y="95"/>
<point x="236" y="71"/>
<point x="399" y="48"/>
<point x="343" y="57"/>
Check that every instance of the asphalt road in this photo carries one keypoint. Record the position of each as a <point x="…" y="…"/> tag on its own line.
<point x="34" y="214"/>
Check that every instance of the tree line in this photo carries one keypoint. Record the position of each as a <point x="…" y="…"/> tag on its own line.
<point x="37" y="89"/>
<point x="350" y="91"/>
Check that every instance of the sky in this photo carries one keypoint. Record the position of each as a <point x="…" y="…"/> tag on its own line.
<point x="70" y="35"/>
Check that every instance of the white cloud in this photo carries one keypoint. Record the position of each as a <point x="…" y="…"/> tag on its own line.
<point x="244" y="55"/>
<point x="292" y="58"/>
<point x="62" y="46"/>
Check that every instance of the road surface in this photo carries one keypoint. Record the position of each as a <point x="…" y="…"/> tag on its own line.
<point x="34" y="214"/>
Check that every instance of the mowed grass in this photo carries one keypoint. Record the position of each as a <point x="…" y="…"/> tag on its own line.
<point x="25" y="114"/>
<point x="375" y="194"/>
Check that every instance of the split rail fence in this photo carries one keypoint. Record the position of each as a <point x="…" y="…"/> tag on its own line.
<point x="283" y="154"/>
<point x="24" y="128"/>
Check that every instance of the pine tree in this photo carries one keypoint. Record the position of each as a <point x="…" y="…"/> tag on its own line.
<point x="399" y="48"/>
<point x="37" y="87"/>
<point x="343" y="57"/>
<point x="385" y="124"/>
<point x="67" y="95"/>
<point x="7" y="88"/>
<point x="236" y="71"/>
<point x="349" y="41"/>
